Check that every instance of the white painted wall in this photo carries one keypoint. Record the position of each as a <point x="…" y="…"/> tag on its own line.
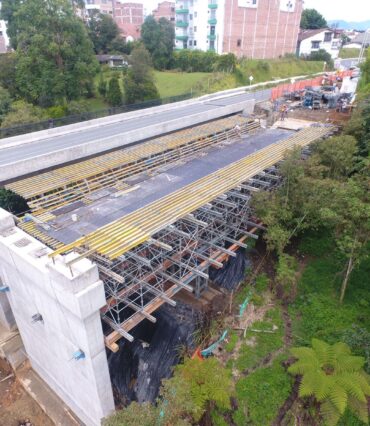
<point x="69" y="305"/>
<point x="331" y="47"/>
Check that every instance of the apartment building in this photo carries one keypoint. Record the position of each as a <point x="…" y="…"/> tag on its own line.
<point x="248" y="28"/>
<point x="165" y="9"/>
<point x="129" y="18"/>
<point x="98" y="6"/>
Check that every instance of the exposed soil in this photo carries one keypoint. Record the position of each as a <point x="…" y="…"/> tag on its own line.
<point x="16" y="406"/>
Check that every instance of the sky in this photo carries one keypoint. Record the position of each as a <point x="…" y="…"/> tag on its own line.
<point x="353" y="10"/>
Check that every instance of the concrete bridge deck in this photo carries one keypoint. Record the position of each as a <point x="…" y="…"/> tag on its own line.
<point x="27" y="154"/>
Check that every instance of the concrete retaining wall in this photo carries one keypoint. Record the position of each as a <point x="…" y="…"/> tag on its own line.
<point x="69" y="305"/>
<point x="126" y="139"/>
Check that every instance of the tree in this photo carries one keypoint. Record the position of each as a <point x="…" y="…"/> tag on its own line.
<point x="114" y="94"/>
<point x="348" y="213"/>
<point x="8" y="66"/>
<point x="12" y="202"/>
<point x="321" y="55"/>
<point x="226" y="63"/>
<point x="5" y="102"/>
<point x="7" y="13"/>
<point x="334" y="377"/>
<point x="102" y="86"/>
<point x="55" y="60"/>
<point x="103" y="31"/>
<point x="139" y="82"/>
<point x="22" y="113"/>
<point x="195" y="387"/>
<point x="311" y="20"/>
<point x="158" y="37"/>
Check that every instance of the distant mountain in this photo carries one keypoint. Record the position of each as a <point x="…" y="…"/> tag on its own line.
<point x="347" y="25"/>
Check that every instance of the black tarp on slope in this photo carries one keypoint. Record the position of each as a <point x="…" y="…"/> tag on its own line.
<point x="137" y="368"/>
<point x="232" y="273"/>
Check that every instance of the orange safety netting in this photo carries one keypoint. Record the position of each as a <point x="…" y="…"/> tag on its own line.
<point x="278" y="92"/>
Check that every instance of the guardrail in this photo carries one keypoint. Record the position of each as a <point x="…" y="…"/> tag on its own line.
<point x="85" y="116"/>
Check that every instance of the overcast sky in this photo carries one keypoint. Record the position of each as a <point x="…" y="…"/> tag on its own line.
<point x="348" y="10"/>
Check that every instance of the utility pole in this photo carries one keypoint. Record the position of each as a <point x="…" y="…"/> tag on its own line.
<point x="363" y="47"/>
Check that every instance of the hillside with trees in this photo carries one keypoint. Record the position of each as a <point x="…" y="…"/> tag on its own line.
<point x="305" y="356"/>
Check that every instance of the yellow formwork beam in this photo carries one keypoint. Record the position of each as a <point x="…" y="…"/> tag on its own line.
<point x="64" y="176"/>
<point x="122" y="235"/>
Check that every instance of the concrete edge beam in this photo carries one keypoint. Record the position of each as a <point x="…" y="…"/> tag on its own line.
<point x="41" y="162"/>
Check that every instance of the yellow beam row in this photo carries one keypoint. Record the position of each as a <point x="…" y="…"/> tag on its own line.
<point x="122" y="235"/>
<point x="63" y="177"/>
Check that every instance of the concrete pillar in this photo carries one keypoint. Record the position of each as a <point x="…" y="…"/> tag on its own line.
<point x="66" y="305"/>
<point x="7" y="320"/>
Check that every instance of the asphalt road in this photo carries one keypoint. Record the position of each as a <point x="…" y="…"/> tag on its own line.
<point x="33" y="149"/>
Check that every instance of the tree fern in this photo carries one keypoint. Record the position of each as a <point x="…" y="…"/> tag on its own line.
<point x="335" y="377"/>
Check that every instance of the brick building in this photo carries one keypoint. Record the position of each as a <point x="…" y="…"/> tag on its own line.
<point x="247" y="28"/>
<point x="129" y="18"/>
<point x="165" y="9"/>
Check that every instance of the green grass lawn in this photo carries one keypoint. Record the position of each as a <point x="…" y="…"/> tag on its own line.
<point x="177" y="83"/>
<point x="350" y="53"/>
<point x="261" y="394"/>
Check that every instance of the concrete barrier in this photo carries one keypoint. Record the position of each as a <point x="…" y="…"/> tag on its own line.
<point x="41" y="162"/>
<point x="97" y="122"/>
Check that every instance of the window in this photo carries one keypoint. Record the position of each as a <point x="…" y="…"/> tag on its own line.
<point x="190" y="17"/>
<point x="190" y="43"/>
<point x="172" y="9"/>
<point x="327" y="38"/>
<point x="239" y="43"/>
<point x="195" y="29"/>
<point x="315" y="45"/>
<point x="194" y="43"/>
<point x="195" y="14"/>
<point x="247" y="3"/>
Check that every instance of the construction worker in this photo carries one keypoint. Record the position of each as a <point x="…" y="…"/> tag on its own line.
<point x="238" y="131"/>
<point x="283" y="112"/>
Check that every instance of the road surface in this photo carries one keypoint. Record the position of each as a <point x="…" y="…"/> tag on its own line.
<point x="30" y="150"/>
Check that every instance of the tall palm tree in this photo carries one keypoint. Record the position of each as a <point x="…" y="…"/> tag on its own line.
<point x="334" y="377"/>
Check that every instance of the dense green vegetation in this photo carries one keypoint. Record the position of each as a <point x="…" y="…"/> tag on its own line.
<point x="311" y="19"/>
<point x="50" y="70"/>
<point x="334" y="377"/>
<point x="261" y="394"/>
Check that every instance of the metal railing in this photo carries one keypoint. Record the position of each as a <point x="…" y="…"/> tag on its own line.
<point x="85" y="116"/>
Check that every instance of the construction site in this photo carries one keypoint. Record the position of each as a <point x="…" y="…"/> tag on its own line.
<point x="113" y="266"/>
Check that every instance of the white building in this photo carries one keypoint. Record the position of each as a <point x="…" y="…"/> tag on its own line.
<point x="310" y="41"/>
<point x="199" y="25"/>
<point x="4" y="40"/>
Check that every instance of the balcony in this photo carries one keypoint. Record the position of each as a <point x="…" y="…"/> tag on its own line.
<point x="212" y="21"/>
<point x="182" y="24"/>
<point x="211" y="37"/>
<point x="212" y="5"/>
<point x="181" y="37"/>
<point x="182" y="11"/>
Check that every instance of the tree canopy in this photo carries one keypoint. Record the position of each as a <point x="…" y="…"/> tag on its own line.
<point x="102" y="31"/>
<point x="311" y="20"/>
<point x="139" y="82"/>
<point x="334" y="377"/>
<point x="158" y="37"/>
<point x="54" y="54"/>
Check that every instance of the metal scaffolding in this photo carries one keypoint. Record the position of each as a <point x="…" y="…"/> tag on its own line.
<point x="147" y="256"/>
<point x="178" y="257"/>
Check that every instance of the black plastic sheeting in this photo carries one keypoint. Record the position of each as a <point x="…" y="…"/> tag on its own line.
<point x="138" y="367"/>
<point x="232" y="273"/>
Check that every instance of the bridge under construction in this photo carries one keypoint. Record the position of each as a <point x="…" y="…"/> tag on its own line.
<point x="110" y="239"/>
